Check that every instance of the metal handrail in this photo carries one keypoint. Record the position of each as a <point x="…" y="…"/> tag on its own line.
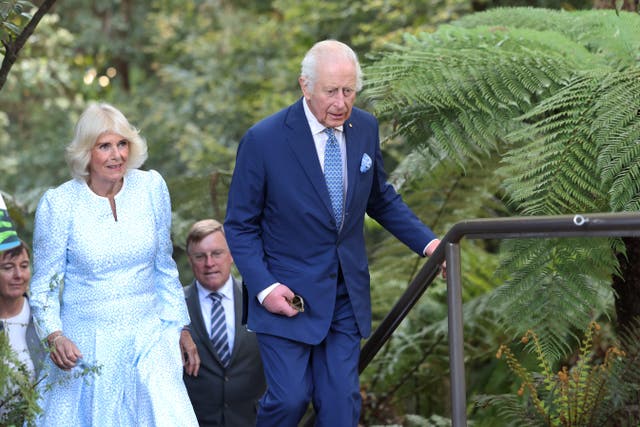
<point x="599" y="224"/>
<point x="579" y="225"/>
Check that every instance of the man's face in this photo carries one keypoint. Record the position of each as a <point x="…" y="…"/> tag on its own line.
<point x="15" y="274"/>
<point x="334" y="92"/>
<point x="211" y="261"/>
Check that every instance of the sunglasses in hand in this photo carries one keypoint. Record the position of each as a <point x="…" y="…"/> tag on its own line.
<point x="297" y="303"/>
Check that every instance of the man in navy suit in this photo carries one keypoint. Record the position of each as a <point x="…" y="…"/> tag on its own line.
<point x="289" y="237"/>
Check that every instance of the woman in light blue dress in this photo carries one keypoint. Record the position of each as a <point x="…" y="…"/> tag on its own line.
<point x="105" y="292"/>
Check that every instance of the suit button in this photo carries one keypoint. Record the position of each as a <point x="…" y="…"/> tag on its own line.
<point x="333" y="275"/>
<point x="226" y="379"/>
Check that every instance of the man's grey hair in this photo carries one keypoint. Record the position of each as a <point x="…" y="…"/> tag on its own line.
<point x="318" y="51"/>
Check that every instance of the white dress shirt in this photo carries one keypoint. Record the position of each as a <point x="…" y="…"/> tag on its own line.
<point x="320" y="140"/>
<point x="226" y="291"/>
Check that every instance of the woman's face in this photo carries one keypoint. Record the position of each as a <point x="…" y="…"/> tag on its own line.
<point x="109" y="155"/>
<point x="15" y="275"/>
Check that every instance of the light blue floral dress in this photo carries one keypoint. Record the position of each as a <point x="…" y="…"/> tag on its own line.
<point x="112" y="287"/>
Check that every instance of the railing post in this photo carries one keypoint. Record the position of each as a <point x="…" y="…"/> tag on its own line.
<point x="456" y="339"/>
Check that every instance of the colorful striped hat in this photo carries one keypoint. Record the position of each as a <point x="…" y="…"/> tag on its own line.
<point x="8" y="236"/>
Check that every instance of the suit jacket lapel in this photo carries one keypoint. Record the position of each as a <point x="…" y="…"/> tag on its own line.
<point x="301" y="142"/>
<point x="198" y="325"/>
<point x="237" y="314"/>
<point x="197" y="322"/>
<point x="354" y="155"/>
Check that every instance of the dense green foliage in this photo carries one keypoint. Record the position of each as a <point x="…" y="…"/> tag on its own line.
<point x="557" y="101"/>
<point x="506" y="112"/>
<point x="553" y="97"/>
<point x="17" y="390"/>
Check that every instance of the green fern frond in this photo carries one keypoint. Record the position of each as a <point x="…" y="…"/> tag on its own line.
<point x="512" y="411"/>
<point x="552" y="170"/>
<point x="577" y="395"/>
<point x="602" y="32"/>
<point x="443" y="88"/>
<point x="621" y="403"/>
<point x="552" y="287"/>
<point x="616" y="129"/>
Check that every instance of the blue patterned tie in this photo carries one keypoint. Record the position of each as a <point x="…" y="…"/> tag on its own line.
<point x="219" y="329"/>
<point x="333" y="174"/>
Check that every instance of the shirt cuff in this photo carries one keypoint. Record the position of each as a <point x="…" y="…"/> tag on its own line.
<point x="263" y="294"/>
<point x="426" y="248"/>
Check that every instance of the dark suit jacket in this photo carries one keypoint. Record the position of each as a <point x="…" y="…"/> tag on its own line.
<point x="280" y="226"/>
<point x="224" y="397"/>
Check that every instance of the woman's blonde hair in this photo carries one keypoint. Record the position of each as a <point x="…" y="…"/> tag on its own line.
<point x="97" y="119"/>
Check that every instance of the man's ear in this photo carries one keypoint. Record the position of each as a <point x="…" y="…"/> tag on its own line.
<point x="305" y="89"/>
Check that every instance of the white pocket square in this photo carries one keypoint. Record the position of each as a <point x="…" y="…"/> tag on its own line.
<point x="365" y="163"/>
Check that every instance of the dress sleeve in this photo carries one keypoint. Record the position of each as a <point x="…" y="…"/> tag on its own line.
<point x="167" y="281"/>
<point x="51" y="232"/>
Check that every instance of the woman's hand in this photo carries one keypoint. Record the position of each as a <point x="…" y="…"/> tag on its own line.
<point x="64" y="352"/>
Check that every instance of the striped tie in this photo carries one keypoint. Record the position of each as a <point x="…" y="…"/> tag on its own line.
<point x="219" y="329"/>
<point x="333" y="174"/>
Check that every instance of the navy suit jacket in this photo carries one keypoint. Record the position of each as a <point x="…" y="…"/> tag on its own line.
<point x="280" y="225"/>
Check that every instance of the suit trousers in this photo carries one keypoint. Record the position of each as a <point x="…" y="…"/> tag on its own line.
<point x="326" y="374"/>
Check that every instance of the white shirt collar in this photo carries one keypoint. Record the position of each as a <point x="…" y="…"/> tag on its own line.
<point x="315" y="126"/>
<point x="226" y="290"/>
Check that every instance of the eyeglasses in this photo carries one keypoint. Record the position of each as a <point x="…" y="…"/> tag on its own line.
<point x="202" y="256"/>
<point x="297" y="303"/>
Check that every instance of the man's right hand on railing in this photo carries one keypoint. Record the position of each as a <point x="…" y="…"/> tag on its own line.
<point x="430" y="249"/>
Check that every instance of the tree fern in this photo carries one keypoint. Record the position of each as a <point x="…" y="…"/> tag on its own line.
<point x="555" y="96"/>
<point x="616" y="129"/>
<point x="553" y="288"/>
<point x="552" y="169"/>
<point x="621" y="405"/>
<point x="461" y="88"/>
<point x="573" y="396"/>
<point x="604" y="33"/>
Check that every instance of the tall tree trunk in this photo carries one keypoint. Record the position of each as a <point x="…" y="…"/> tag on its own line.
<point x="628" y="5"/>
<point x="627" y="285"/>
<point x="119" y="60"/>
<point x="122" y="62"/>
